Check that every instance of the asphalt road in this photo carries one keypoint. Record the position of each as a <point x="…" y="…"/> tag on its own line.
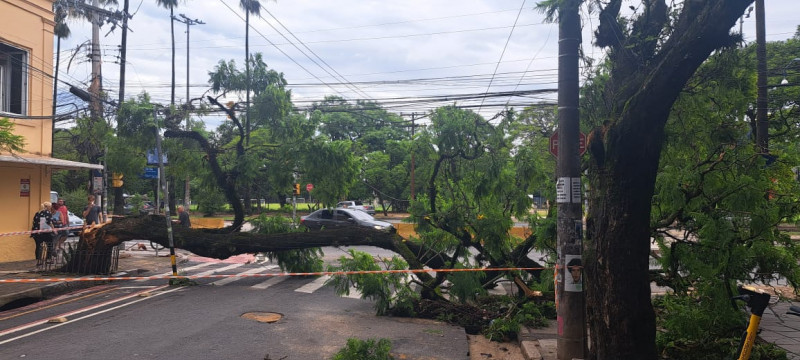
<point x="147" y="320"/>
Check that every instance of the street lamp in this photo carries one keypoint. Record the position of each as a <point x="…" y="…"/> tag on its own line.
<point x="785" y="80"/>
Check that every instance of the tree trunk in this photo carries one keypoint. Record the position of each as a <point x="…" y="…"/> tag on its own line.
<point x="646" y="78"/>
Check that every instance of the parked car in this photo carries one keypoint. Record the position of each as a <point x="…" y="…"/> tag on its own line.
<point x="74" y="221"/>
<point x="338" y="218"/>
<point x="355" y="204"/>
<point x="147" y="207"/>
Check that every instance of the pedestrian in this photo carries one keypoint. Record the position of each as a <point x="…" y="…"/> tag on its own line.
<point x="64" y="211"/>
<point x="183" y="217"/>
<point x="43" y="220"/>
<point x="59" y="221"/>
<point x="92" y="213"/>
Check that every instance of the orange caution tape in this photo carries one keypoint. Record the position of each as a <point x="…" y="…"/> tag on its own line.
<point x="219" y="276"/>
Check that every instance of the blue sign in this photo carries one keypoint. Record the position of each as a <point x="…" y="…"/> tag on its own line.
<point x="150" y="173"/>
<point x="152" y="157"/>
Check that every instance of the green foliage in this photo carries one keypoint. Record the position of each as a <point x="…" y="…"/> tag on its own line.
<point x="513" y="315"/>
<point x="299" y="260"/>
<point x="332" y="168"/>
<point x="390" y="291"/>
<point x="365" y="350"/>
<point x="209" y="201"/>
<point x="264" y="224"/>
<point x="704" y="328"/>
<point x="75" y="201"/>
<point x="716" y="208"/>
<point x="467" y="285"/>
<point x="8" y="141"/>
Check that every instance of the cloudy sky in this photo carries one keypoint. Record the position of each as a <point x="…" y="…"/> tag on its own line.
<point x="399" y="53"/>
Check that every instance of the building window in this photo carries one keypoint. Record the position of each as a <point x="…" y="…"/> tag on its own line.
<point x="13" y="79"/>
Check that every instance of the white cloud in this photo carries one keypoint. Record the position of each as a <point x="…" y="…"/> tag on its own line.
<point x="361" y="40"/>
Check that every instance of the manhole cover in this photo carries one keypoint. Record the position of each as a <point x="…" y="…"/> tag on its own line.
<point x="265" y="317"/>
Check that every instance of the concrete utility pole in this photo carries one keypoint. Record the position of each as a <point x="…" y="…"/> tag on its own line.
<point x="188" y="22"/>
<point x="570" y="300"/>
<point x="413" y="126"/>
<point x="123" y="51"/>
<point x="95" y="107"/>
<point x="762" y="124"/>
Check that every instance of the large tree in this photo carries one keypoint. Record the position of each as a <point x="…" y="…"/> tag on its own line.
<point x="651" y="54"/>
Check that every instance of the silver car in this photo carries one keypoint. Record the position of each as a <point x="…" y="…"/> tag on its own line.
<point x="74" y="221"/>
<point x="338" y="218"/>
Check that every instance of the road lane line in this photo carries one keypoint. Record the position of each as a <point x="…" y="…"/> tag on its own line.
<point x="55" y="302"/>
<point x="89" y="315"/>
<point x="74" y="312"/>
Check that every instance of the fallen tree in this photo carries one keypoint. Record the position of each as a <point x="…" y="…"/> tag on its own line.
<point x="224" y="243"/>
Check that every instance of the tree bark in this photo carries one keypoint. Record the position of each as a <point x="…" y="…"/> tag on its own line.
<point x="645" y="82"/>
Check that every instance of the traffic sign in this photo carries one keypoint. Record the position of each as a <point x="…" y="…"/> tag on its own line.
<point x="554" y="143"/>
<point x="309" y="187"/>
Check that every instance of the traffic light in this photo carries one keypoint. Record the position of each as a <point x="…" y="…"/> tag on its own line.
<point x="297" y="189"/>
<point x="116" y="180"/>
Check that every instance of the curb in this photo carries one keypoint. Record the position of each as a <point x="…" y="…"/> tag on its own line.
<point x="537" y="347"/>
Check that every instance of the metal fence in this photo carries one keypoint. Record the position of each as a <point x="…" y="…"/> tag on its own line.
<point x="67" y="257"/>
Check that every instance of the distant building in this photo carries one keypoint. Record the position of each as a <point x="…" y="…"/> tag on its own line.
<point x="26" y="97"/>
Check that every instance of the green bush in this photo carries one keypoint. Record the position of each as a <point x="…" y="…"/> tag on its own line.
<point x="389" y="290"/>
<point x="210" y="201"/>
<point x="357" y="349"/>
<point x="695" y="328"/>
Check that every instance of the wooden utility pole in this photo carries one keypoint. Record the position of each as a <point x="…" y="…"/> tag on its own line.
<point x="569" y="266"/>
<point x="762" y="124"/>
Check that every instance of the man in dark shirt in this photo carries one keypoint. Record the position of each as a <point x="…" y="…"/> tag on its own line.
<point x="92" y="213"/>
<point x="183" y="217"/>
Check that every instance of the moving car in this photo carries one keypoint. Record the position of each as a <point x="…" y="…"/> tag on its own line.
<point x="338" y="218"/>
<point x="356" y="204"/>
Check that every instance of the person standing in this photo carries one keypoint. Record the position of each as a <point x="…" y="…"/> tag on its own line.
<point x="92" y="213"/>
<point x="43" y="220"/>
<point x="183" y="217"/>
<point x="59" y="221"/>
<point x="62" y="208"/>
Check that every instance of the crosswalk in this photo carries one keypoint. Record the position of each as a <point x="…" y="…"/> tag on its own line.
<point x="262" y="276"/>
<point x="246" y="275"/>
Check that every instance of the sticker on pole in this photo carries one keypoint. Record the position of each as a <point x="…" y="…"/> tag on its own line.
<point x="573" y="279"/>
<point x="562" y="190"/>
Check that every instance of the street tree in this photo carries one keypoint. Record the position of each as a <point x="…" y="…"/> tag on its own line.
<point x="652" y="53"/>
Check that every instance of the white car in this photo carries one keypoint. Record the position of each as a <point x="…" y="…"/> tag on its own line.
<point x="74" y="221"/>
<point x="357" y="205"/>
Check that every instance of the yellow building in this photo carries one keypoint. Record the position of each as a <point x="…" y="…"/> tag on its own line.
<point x="26" y="97"/>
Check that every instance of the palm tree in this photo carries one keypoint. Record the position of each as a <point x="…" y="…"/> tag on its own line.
<point x="171" y="4"/>
<point x="249" y="7"/>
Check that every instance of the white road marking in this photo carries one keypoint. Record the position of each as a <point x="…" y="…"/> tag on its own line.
<point x="268" y="283"/>
<point x="314" y="285"/>
<point x="181" y="270"/>
<point x="226" y="268"/>
<point x="232" y="279"/>
<point x="85" y="309"/>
